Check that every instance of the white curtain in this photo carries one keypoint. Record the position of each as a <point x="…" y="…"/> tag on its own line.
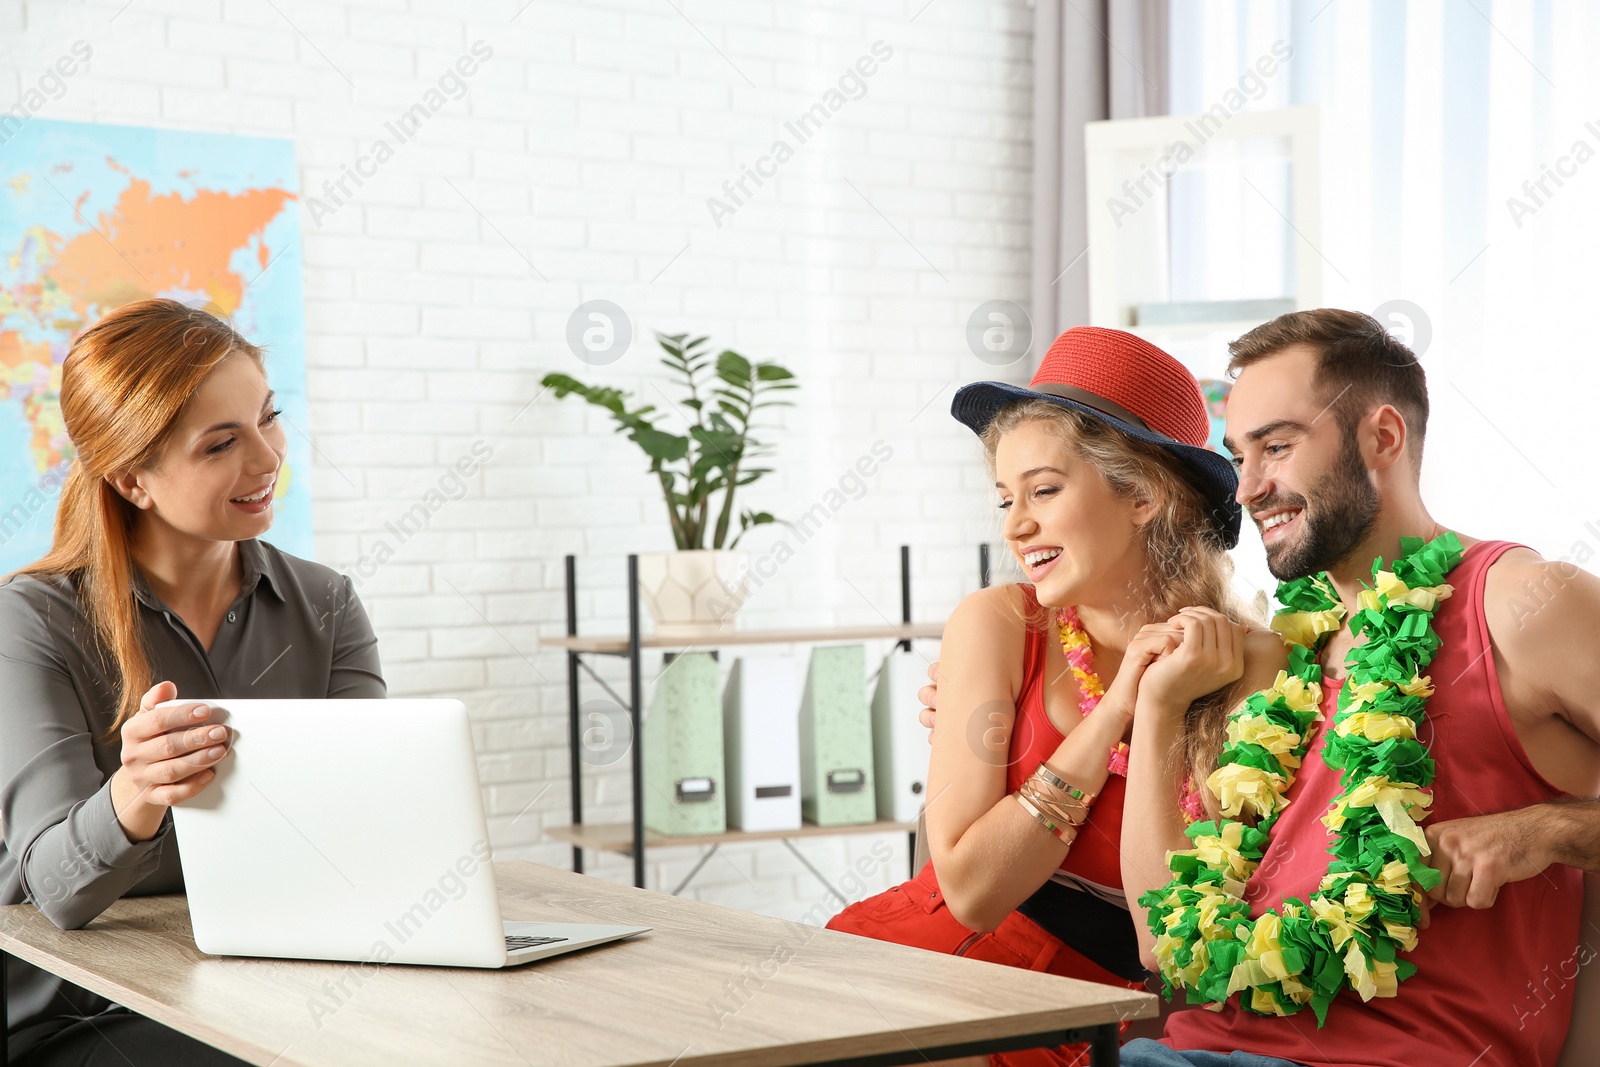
<point x="1460" y="173"/>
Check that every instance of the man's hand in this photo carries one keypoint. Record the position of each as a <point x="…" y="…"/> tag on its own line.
<point x="929" y="695"/>
<point x="1478" y="855"/>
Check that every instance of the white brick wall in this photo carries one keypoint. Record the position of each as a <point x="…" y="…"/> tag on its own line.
<point x="590" y="142"/>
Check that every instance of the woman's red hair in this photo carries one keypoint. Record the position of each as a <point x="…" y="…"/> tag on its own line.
<point x="123" y="384"/>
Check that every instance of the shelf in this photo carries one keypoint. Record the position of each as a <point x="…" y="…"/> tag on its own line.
<point x="618" y="645"/>
<point x="618" y="837"/>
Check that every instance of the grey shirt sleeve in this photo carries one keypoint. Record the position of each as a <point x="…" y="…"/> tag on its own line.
<point x="72" y="858"/>
<point x="356" y="671"/>
<point x="297" y="631"/>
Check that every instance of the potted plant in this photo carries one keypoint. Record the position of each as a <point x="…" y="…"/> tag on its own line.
<point x="696" y="590"/>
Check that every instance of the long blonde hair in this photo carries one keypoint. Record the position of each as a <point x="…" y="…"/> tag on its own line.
<point x="1186" y="565"/>
<point x="123" y="384"/>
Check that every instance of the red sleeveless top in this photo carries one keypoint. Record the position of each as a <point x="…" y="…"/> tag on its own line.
<point x="1493" y="987"/>
<point x="1096" y="852"/>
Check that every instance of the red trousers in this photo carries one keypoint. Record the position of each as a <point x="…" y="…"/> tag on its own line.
<point x="915" y="914"/>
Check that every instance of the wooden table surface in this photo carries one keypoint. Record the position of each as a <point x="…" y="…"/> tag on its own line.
<point x="709" y="986"/>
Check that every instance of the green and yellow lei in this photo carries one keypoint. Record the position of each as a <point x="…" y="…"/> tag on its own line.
<point x="1365" y="911"/>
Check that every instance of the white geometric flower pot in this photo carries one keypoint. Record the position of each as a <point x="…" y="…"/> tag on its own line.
<point x="694" y="593"/>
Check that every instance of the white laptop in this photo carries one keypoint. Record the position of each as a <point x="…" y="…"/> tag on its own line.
<point x="353" y="830"/>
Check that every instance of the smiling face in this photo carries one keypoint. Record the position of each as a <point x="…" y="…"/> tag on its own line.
<point x="214" y="477"/>
<point x="1076" y="538"/>
<point x="1302" y="476"/>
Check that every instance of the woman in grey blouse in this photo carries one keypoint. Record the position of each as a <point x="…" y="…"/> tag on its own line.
<point x="156" y="588"/>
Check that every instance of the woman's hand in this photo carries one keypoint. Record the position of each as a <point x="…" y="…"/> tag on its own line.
<point x="1153" y="643"/>
<point x="1208" y="654"/>
<point x="168" y="756"/>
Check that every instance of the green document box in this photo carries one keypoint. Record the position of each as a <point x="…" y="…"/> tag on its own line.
<point x="836" y="740"/>
<point x="684" y="783"/>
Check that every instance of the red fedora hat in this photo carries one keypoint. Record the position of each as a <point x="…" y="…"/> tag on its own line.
<point x="1133" y="386"/>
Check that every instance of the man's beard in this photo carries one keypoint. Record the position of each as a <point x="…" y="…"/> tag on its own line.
<point x="1337" y="517"/>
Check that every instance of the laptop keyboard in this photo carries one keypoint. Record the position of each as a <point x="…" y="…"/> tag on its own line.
<point x="520" y="941"/>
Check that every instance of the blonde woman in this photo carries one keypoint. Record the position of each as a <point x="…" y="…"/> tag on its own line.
<point x="1120" y="517"/>
<point x="155" y="588"/>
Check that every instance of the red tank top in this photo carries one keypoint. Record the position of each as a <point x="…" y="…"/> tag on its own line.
<point x="1096" y="852"/>
<point x="1493" y="987"/>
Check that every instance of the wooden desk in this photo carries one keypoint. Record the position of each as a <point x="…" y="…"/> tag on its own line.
<point x="709" y="987"/>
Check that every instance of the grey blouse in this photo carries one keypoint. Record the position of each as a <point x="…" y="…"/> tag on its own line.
<point x="297" y="630"/>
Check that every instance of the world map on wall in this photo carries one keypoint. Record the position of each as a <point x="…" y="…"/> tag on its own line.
<point x="95" y="216"/>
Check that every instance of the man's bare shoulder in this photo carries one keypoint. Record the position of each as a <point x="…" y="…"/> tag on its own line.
<point x="1265" y="645"/>
<point x="1536" y="606"/>
<point x="1541" y="616"/>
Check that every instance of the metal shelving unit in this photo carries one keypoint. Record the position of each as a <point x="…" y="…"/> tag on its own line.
<point x="630" y="838"/>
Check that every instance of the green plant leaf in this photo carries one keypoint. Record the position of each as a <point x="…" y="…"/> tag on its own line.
<point x="725" y="392"/>
<point x="732" y="367"/>
<point x="659" y="445"/>
<point x="749" y="520"/>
